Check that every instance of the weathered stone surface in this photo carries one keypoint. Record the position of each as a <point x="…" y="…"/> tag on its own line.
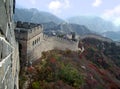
<point x="9" y="56"/>
<point x="3" y="17"/>
<point x="0" y="50"/>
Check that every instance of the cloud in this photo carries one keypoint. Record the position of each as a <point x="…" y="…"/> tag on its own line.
<point x="33" y="2"/>
<point x="97" y="3"/>
<point x="56" y="6"/>
<point x="112" y="14"/>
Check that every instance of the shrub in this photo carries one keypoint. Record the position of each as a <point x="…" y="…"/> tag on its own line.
<point x="36" y="85"/>
<point x="22" y="81"/>
<point x="71" y="75"/>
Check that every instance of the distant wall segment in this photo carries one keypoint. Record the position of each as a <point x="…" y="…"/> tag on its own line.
<point x="49" y="43"/>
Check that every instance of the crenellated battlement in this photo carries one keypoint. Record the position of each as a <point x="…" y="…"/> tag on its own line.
<point x="27" y="25"/>
<point x="60" y="43"/>
<point x="60" y="39"/>
<point x="26" y="30"/>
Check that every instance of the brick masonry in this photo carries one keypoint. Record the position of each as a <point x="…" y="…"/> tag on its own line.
<point x="9" y="54"/>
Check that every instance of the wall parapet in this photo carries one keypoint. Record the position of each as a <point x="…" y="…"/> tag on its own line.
<point x="59" y="39"/>
<point x="26" y="30"/>
<point x="27" y="25"/>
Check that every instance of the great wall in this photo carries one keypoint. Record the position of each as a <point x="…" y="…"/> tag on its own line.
<point x="22" y="43"/>
<point x="32" y="41"/>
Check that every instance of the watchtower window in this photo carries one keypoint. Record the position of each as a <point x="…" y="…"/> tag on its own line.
<point x="33" y="43"/>
<point x="37" y="40"/>
<point x="20" y="49"/>
<point x="20" y="46"/>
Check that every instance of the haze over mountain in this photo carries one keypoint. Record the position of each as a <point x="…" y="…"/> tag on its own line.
<point x="50" y="21"/>
<point x="96" y="24"/>
<point x="113" y="35"/>
<point x="79" y="29"/>
<point x="33" y="15"/>
<point x="67" y="28"/>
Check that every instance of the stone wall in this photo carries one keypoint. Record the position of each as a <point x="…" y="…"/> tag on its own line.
<point x="31" y="49"/>
<point x="63" y="44"/>
<point x="9" y="56"/>
<point x="27" y="25"/>
<point x="27" y="30"/>
<point x="49" y="43"/>
<point x="32" y="42"/>
<point x="34" y="32"/>
<point x="28" y="37"/>
<point x="21" y="34"/>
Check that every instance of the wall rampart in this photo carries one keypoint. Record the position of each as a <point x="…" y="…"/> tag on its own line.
<point x="49" y="43"/>
<point x="27" y="25"/>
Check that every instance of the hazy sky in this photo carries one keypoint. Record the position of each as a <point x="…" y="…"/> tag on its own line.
<point x="108" y="9"/>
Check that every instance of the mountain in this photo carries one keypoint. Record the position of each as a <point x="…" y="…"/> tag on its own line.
<point x="113" y="35"/>
<point x="67" y="28"/>
<point x="49" y="25"/>
<point x="95" y="24"/>
<point x="49" y="21"/>
<point x="81" y="25"/>
<point x="97" y="36"/>
<point x="35" y="16"/>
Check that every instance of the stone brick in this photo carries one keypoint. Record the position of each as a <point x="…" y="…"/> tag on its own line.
<point x="9" y="56"/>
<point x="3" y="17"/>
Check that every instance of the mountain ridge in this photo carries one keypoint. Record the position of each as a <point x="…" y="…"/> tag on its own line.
<point x="35" y="16"/>
<point x="113" y="35"/>
<point x="67" y="28"/>
<point x="98" y="25"/>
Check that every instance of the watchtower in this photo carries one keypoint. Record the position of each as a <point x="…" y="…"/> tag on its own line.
<point x="29" y="36"/>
